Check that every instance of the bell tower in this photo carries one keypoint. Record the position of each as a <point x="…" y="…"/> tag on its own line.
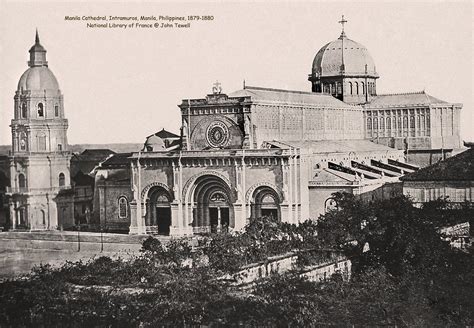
<point x="39" y="158"/>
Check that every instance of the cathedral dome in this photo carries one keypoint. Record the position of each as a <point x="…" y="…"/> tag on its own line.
<point x="329" y="59"/>
<point x="38" y="78"/>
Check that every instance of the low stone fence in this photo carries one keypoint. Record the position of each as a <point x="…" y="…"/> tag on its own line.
<point x="71" y="241"/>
<point x="324" y="271"/>
<point x="324" y="265"/>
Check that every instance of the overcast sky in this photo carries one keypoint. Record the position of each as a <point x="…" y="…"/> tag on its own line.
<point x="122" y="85"/>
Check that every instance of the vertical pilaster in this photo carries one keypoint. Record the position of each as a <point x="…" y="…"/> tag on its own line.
<point x="295" y="188"/>
<point x="13" y="218"/>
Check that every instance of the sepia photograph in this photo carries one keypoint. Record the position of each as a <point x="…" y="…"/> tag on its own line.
<point x="241" y="164"/>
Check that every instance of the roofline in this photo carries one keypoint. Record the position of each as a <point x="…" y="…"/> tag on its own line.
<point x="285" y="90"/>
<point x="403" y="93"/>
<point x="442" y="104"/>
<point x="313" y="77"/>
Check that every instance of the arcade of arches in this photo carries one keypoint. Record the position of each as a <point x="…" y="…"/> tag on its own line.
<point x="210" y="205"/>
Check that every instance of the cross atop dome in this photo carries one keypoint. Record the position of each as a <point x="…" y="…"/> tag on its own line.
<point x="342" y="22"/>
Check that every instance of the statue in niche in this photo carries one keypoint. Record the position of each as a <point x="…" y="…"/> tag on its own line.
<point x="247" y="125"/>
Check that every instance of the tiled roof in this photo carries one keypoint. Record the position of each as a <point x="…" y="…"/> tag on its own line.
<point x="97" y="152"/>
<point x="82" y="179"/>
<point x="333" y="146"/>
<point x="118" y="175"/>
<point x="459" y="167"/>
<point x="403" y="99"/>
<point x="258" y="94"/>
<point x="122" y="159"/>
<point x="88" y="159"/>
<point x="166" y="134"/>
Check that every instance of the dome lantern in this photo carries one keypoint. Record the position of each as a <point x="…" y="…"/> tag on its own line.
<point x="37" y="53"/>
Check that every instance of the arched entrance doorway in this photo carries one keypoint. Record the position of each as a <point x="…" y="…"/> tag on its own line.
<point x="218" y="211"/>
<point x="265" y="202"/>
<point x="158" y="214"/>
<point x="212" y="205"/>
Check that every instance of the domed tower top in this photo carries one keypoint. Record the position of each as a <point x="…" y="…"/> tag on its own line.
<point x="38" y="77"/>
<point x="344" y="57"/>
<point x="345" y="69"/>
<point x="39" y="124"/>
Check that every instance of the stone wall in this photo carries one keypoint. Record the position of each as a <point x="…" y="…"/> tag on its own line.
<point x="322" y="270"/>
<point x="107" y="194"/>
<point x="290" y="122"/>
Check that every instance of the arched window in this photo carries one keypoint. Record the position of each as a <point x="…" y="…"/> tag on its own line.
<point x="40" y="110"/>
<point x="123" y="207"/>
<point x="56" y="110"/>
<point x="357" y="88"/>
<point x="62" y="180"/>
<point x="376" y="123"/>
<point x="21" y="180"/>
<point x="24" y="111"/>
<point x="369" y="124"/>
<point x="382" y="123"/>
<point x="423" y="122"/>
<point x="389" y="123"/>
<point x="339" y="88"/>
<point x="405" y="122"/>
<point x="43" y="217"/>
<point x="333" y="88"/>
<point x="330" y="204"/>
<point x="363" y="88"/>
<point x="350" y="86"/>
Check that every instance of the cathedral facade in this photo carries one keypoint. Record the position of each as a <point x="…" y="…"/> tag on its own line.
<point x="255" y="152"/>
<point x="249" y="153"/>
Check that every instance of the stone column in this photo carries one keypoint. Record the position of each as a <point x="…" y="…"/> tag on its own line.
<point x="239" y="213"/>
<point x="295" y="189"/>
<point x="53" y="215"/>
<point x="137" y="222"/>
<point x="133" y="218"/>
<point x="284" y="206"/>
<point x="175" y="229"/>
<point x="13" y="218"/>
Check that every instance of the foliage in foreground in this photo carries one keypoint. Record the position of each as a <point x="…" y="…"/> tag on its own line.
<point x="409" y="277"/>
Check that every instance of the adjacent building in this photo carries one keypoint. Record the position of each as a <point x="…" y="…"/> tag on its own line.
<point x="452" y="178"/>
